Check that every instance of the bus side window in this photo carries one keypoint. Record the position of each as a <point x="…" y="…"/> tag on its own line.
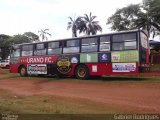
<point x="15" y="53"/>
<point x="125" y="41"/>
<point x="54" y="48"/>
<point x="71" y="46"/>
<point x="40" y="49"/>
<point x="89" y="44"/>
<point x="104" y="43"/>
<point x="27" y="50"/>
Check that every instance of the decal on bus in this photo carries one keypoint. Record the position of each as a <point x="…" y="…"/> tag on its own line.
<point x="37" y="69"/>
<point x="64" y="65"/>
<point x="123" y="67"/>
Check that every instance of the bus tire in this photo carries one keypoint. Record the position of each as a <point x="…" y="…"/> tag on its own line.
<point x="82" y="72"/>
<point x="23" y="71"/>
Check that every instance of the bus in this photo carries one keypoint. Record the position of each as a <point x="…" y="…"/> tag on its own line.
<point x="119" y="53"/>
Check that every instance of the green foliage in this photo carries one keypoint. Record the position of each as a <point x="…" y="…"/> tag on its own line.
<point x="137" y="17"/>
<point x="18" y="39"/>
<point x="4" y="51"/>
<point x="31" y="36"/>
<point x="85" y="24"/>
<point x="7" y="41"/>
<point x="123" y="19"/>
<point x="91" y="26"/>
<point x="74" y="24"/>
<point x="153" y="12"/>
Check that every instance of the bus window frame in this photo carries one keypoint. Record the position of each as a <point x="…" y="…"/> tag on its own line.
<point x="65" y="46"/>
<point x="27" y="50"/>
<point x="99" y="43"/>
<point x="12" y="53"/>
<point x="96" y="39"/>
<point x="60" y="46"/>
<point x="35" y="49"/>
<point x="118" y="42"/>
<point x="96" y="44"/>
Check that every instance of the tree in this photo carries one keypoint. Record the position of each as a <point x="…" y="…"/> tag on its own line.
<point x="4" y="48"/>
<point x="7" y="41"/>
<point x="18" y="39"/>
<point x="136" y="17"/>
<point x="74" y="24"/>
<point x="31" y="36"/>
<point x="91" y="26"/>
<point x="153" y="8"/>
<point x="43" y="34"/>
<point x="123" y="19"/>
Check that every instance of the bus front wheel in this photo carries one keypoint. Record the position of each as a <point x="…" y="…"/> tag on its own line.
<point x="23" y="71"/>
<point x="82" y="72"/>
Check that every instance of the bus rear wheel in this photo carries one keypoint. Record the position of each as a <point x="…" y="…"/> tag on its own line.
<point x="23" y="71"/>
<point x="82" y="72"/>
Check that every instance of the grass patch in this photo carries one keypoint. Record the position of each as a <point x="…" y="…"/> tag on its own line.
<point x="4" y="74"/>
<point x="13" y="104"/>
<point x="7" y="76"/>
<point x="93" y="80"/>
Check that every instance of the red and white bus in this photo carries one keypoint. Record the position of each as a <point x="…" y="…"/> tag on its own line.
<point x="120" y="53"/>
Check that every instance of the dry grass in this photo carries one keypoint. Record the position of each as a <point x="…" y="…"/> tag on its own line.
<point x="11" y="103"/>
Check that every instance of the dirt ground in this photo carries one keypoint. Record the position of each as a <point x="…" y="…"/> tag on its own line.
<point x="127" y="96"/>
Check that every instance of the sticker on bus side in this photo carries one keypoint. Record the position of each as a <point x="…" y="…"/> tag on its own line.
<point x="123" y="67"/>
<point x="73" y="58"/>
<point x="64" y="65"/>
<point x="37" y="69"/>
<point x="125" y="56"/>
<point x="88" y="58"/>
<point x="104" y="57"/>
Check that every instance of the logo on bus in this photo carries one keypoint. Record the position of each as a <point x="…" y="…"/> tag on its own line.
<point x="37" y="69"/>
<point x="64" y="65"/>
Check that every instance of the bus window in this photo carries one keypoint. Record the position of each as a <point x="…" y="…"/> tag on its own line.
<point x="40" y="49"/>
<point x="15" y="53"/>
<point x="124" y="42"/>
<point x="117" y="46"/>
<point x="54" y="48"/>
<point x="104" y="43"/>
<point x="90" y="45"/>
<point x="71" y="46"/>
<point x="130" y="45"/>
<point x="27" y="50"/>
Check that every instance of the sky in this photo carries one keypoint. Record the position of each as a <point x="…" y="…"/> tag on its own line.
<point x="19" y="16"/>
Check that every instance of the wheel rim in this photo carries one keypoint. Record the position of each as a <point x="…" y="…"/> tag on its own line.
<point x="23" y="71"/>
<point x="81" y="72"/>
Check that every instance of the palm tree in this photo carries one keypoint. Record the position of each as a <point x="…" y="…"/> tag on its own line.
<point x="74" y="25"/>
<point x="91" y="26"/>
<point x="44" y="33"/>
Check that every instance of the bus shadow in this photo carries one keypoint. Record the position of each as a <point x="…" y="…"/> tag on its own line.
<point x="119" y="78"/>
<point x="95" y="78"/>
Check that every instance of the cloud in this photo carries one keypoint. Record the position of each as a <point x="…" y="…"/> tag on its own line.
<point x="19" y="16"/>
